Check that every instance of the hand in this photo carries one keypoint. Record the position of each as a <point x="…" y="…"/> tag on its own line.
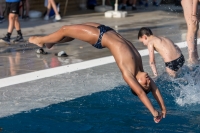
<point x="158" y="118"/>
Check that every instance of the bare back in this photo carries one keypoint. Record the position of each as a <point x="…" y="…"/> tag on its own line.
<point x="166" y="48"/>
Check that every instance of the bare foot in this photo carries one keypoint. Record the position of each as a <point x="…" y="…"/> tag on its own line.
<point x="35" y="40"/>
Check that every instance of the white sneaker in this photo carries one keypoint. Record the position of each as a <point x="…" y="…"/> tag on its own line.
<point x="46" y="17"/>
<point x="57" y="18"/>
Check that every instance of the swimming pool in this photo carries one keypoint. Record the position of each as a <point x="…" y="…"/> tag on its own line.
<point x="55" y="105"/>
<point x="108" y="111"/>
<point x="98" y="100"/>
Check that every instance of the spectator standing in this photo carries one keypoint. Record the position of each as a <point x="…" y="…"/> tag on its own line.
<point x="190" y="8"/>
<point x="51" y="4"/>
<point x="129" y="2"/>
<point x="12" y="8"/>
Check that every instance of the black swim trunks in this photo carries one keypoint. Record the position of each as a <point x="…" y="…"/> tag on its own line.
<point x="12" y="7"/>
<point x="103" y="29"/>
<point x="176" y="64"/>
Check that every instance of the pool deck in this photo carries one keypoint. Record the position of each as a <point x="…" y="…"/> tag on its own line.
<point x="166" y="20"/>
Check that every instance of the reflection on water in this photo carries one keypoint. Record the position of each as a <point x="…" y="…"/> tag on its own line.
<point x="14" y="63"/>
<point x="18" y="65"/>
<point x="58" y="61"/>
<point x="185" y="88"/>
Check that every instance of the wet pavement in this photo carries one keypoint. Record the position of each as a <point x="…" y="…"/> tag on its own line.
<point x="166" y="20"/>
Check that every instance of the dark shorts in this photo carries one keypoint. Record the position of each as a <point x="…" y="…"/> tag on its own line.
<point x="176" y="64"/>
<point x="12" y="7"/>
<point x="103" y="29"/>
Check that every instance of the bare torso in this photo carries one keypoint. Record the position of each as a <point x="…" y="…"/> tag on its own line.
<point x="166" y="48"/>
<point x="131" y="61"/>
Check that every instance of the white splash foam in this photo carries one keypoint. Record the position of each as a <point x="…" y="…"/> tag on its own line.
<point x="187" y="92"/>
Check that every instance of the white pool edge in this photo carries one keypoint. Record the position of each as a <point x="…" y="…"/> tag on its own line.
<point x="66" y="69"/>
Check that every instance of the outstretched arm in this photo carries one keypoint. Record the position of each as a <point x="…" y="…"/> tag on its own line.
<point x="152" y="59"/>
<point x="157" y="95"/>
<point x="135" y="86"/>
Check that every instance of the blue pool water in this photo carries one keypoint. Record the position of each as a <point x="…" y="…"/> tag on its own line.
<point x="116" y="110"/>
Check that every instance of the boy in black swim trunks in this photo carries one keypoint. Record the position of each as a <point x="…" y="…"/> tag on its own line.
<point x="170" y="53"/>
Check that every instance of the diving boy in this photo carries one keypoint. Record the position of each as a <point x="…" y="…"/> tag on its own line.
<point x="170" y="53"/>
<point x="126" y="56"/>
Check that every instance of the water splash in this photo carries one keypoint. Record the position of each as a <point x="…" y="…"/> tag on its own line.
<point x="185" y="88"/>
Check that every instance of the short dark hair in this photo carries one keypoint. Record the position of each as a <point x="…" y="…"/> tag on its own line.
<point x="144" y="31"/>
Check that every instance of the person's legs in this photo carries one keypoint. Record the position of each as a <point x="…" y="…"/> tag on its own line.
<point x="1" y="11"/>
<point x="17" y="24"/>
<point x="48" y="11"/>
<point x="191" y="33"/>
<point x="24" y="5"/>
<point x="146" y="3"/>
<point x="52" y="2"/>
<point x="134" y="4"/>
<point x="21" y="10"/>
<point x="18" y="29"/>
<point x="68" y="39"/>
<point x="63" y="40"/>
<point x="27" y="8"/>
<point x="171" y="72"/>
<point x="57" y="15"/>
<point x="155" y="3"/>
<point x="124" y="4"/>
<point x="85" y="33"/>
<point x="11" y="20"/>
<point x="11" y="23"/>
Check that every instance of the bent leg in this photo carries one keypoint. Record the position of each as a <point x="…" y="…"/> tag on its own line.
<point x="171" y="72"/>
<point x="192" y="31"/>
<point x="84" y="33"/>
<point x="63" y="40"/>
<point x="68" y="39"/>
